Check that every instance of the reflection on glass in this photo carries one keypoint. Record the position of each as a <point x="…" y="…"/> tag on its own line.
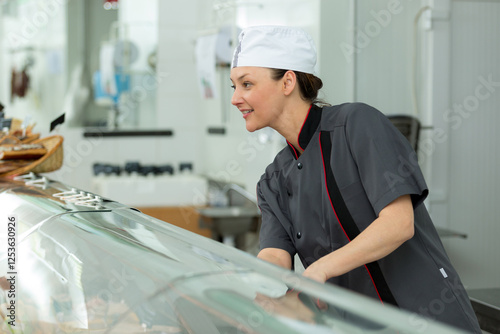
<point x="118" y="271"/>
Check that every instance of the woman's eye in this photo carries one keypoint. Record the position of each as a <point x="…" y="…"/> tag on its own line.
<point x="233" y="87"/>
<point x="246" y="84"/>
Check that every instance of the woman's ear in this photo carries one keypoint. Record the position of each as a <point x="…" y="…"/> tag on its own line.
<point x="289" y="82"/>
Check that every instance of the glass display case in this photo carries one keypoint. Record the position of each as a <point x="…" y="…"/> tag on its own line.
<point x="85" y="264"/>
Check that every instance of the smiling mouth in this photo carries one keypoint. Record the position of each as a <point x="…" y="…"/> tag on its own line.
<point x="246" y="113"/>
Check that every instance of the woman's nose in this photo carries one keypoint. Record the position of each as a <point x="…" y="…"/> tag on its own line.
<point x="236" y="98"/>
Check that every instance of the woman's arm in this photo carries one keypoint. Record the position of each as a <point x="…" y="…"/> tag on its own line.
<point x="392" y="228"/>
<point x="276" y="256"/>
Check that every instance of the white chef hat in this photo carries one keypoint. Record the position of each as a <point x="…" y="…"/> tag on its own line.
<point x="279" y="47"/>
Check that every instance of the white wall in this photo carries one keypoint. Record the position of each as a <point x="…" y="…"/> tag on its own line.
<point x="384" y="45"/>
<point x="337" y="66"/>
<point x="474" y="153"/>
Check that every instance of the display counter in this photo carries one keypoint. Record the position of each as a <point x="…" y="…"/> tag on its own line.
<point x="85" y="264"/>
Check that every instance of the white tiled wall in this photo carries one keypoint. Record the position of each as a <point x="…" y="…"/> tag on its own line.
<point x="473" y="181"/>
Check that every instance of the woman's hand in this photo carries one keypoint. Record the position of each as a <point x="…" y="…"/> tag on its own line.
<point x="315" y="273"/>
<point x="289" y="306"/>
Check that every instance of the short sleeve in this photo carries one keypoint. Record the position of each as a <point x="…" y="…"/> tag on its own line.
<point x="272" y="232"/>
<point x="387" y="164"/>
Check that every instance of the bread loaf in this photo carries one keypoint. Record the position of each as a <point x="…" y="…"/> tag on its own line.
<point x="22" y="152"/>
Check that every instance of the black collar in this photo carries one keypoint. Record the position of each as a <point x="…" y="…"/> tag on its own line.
<point x="308" y="129"/>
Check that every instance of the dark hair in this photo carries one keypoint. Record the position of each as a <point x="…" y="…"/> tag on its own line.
<point x="309" y="84"/>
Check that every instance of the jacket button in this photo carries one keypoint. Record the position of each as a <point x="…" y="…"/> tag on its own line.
<point x="299" y="165"/>
<point x="299" y="235"/>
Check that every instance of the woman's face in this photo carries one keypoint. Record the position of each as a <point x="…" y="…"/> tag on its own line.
<point x="258" y="97"/>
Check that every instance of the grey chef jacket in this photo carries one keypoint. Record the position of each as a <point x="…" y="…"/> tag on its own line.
<point x="373" y="164"/>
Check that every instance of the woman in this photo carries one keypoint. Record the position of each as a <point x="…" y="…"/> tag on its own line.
<point x="346" y="194"/>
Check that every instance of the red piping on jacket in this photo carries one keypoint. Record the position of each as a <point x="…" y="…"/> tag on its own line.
<point x="293" y="148"/>
<point x="331" y="203"/>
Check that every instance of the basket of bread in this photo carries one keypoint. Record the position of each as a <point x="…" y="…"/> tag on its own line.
<point x="22" y="151"/>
